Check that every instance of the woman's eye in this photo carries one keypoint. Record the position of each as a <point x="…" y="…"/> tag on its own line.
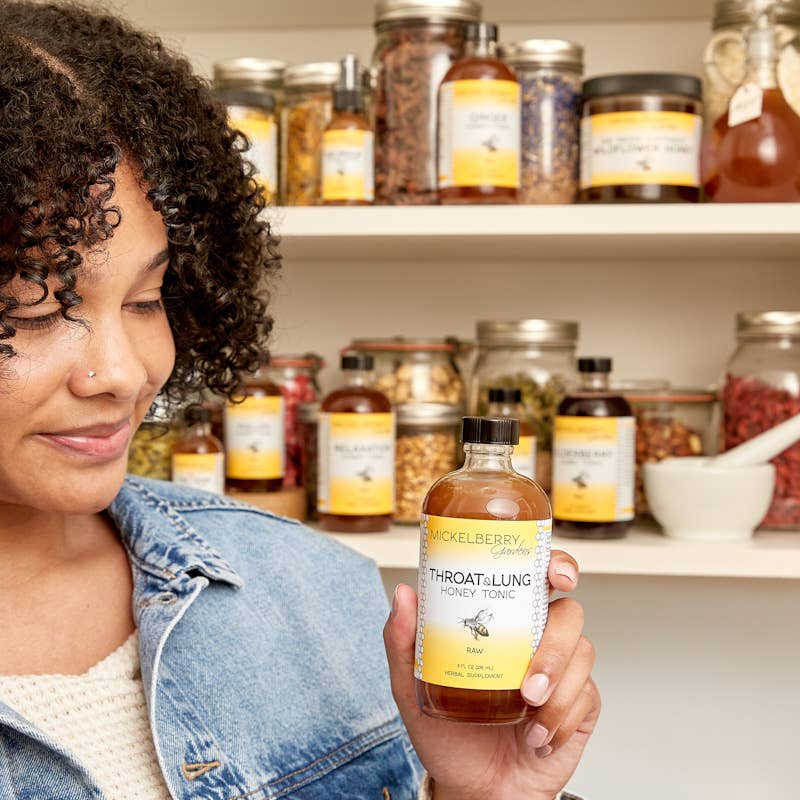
<point x="147" y="306"/>
<point x="35" y="323"/>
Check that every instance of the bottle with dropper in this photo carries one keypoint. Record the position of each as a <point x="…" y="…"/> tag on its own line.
<point x="347" y="144"/>
<point x="752" y="153"/>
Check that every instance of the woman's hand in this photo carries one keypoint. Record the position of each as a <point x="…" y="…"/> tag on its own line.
<point x="533" y="760"/>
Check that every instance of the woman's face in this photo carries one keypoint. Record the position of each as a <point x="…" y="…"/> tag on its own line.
<point x="72" y="398"/>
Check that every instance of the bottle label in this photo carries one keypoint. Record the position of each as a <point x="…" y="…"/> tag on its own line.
<point x="483" y="596"/>
<point x="479" y="133"/>
<point x="348" y="166"/>
<point x="746" y="104"/>
<point x="356" y="464"/>
<point x="262" y="132"/>
<point x="641" y="147"/>
<point x="523" y="458"/>
<point x="593" y="463"/>
<point x="204" y="471"/>
<point x="254" y="438"/>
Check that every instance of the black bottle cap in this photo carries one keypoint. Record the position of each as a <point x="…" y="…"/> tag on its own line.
<point x="505" y="394"/>
<point x="357" y="361"/>
<point x="594" y="364"/>
<point x="347" y="100"/>
<point x="347" y="95"/>
<point x="196" y="415"/>
<point x="484" y="430"/>
<point x="481" y="32"/>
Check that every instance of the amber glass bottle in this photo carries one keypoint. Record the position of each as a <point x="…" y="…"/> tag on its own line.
<point x="479" y="125"/>
<point x="484" y="553"/>
<point x="507" y="402"/>
<point x="752" y="153"/>
<point x="254" y="437"/>
<point x="356" y="429"/>
<point x="594" y="453"/>
<point x="198" y="459"/>
<point x="347" y="145"/>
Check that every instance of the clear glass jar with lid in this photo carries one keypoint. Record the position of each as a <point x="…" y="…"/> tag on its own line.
<point x="415" y="370"/>
<point x="726" y="54"/>
<point x="762" y="389"/>
<point x="549" y="72"/>
<point x="426" y="450"/>
<point x="536" y="356"/>
<point x="252" y="89"/>
<point x="417" y="42"/>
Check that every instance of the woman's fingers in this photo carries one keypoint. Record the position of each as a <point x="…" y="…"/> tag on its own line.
<point x="563" y="572"/>
<point x="559" y="641"/>
<point x="581" y="717"/>
<point x="399" y="637"/>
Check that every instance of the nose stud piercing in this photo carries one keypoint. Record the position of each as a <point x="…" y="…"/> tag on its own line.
<point x="92" y="373"/>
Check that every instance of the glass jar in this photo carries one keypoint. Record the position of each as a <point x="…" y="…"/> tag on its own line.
<point x="252" y="89"/>
<point x="415" y="370"/>
<point x="426" y="450"/>
<point x="536" y="356"/>
<point x="417" y="42"/>
<point x="150" y="453"/>
<point x="549" y="72"/>
<point x="640" y="139"/>
<point x="308" y="419"/>
<point x="725" y="56"/>
<point x="762" y="389"/>
<point x="297" y="376"/>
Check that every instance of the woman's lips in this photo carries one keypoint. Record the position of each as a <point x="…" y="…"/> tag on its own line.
<point x="105" y="446"/>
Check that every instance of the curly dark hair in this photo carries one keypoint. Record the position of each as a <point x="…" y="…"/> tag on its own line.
<point x="79" y="92"/>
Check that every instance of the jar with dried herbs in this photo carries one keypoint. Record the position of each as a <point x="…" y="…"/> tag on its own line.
<point x="150" y="453"/>
<point x="417" y="42"/>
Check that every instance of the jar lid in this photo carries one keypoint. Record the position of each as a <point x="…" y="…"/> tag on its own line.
<point x="483" y="430"/>
<point x="428" y="413"/>
<point x="246" y="97"/>
<point x="308" y="360"/>
<point x="643" y="83"/>
<point x="308" y="412"/>
<point x="527" y="331"/>
<point x="543" y="53"/>
<point x="319" y="73"/>
<point x="768" y="323"/>
<point x="400" y="344"/>
<point x="457" y="10"/>
<point x="248" y="73"/>
<point x="731" y="13"/>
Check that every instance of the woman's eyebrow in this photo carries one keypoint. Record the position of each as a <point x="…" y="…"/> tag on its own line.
<point x="156" y="261"/>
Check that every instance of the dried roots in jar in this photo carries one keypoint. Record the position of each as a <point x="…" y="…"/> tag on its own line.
<point x="306" y="123"/>
<point x="422" y="383"/>
<point x="420" y="460"/>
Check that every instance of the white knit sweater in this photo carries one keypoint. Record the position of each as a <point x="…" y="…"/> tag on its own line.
<point x="101" y="718"/>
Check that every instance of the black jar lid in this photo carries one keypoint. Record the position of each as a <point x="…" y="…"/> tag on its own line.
<point x="594" y="364"/>
<point x="357" y="361"/>
<point x="643" y="83"/>
<point x="505" y="394"/>
<point x="246" y="97"/>
<point x="485" y="430"/>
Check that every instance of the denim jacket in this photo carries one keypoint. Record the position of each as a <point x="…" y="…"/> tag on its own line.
<point x="263" y="668"/>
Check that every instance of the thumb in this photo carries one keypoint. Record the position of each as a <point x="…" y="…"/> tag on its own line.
<point x="399" y="638"/>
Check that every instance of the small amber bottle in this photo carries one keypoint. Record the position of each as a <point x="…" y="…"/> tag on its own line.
<point x="594" y="454"/>
<point x="483" y="591"/>
<point x="198" y="459"/>
<point x="507" y="402"/>
<point x="348" y="173"/>
<point x="254" y="437"/>
<point x="479" y="125"/>
<point x="356" y="430"/>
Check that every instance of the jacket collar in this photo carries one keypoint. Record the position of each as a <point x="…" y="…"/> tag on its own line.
<point x="160" y="538"/>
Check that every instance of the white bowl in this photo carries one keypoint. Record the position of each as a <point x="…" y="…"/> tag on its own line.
<point x="710" y="504"/>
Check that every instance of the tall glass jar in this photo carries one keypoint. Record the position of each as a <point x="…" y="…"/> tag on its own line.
<point x="536" y="356"/>
<point x="252" y="89"/>
<point x="308" y="422"/>
<point x="415" y="370"/>
<point x="762" y="389"/>
<point x="726" y="54"/>
<point x="549" y="72"/>
<point x="150" y="453"/>
<point x="417" y="42"/>
<point x="297" y="376"/>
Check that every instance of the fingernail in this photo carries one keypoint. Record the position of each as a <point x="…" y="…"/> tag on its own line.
<point x="568" y="571"/>
<point x="394" y="602"/>
<point x="537" y="735"/>
<point x="534" y="689"/>
<point x="543" y="752"/>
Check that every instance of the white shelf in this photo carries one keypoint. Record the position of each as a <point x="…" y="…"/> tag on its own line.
<point x="766" y="232"/>
<point x="643" y="552"/>
<point x="198" y="15"/>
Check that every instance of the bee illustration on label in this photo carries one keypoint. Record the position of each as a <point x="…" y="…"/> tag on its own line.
<point x="477" y="624"/>
<point x="253" y="447"/>
<point x="490" y="144"/>
<point x="645" y="164"/>
<point x="581" y="480"/>
<point x="365" y="475"/>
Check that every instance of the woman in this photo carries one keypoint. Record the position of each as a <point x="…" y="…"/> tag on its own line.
<point x="160" y="642"/>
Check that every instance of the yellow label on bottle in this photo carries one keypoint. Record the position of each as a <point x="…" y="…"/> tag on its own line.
<point x="204" y="471"/>
<point x="347" y="166"/>
<point x="262" y="132"/>
<point x="483" y="597"/>
<point x="625" y="148"/>
<point x="479" y="133"/>
<point x="254" y="439"/>
<point x="523" y="458"/>
<point x="593" y="468"/>
<point x="356" y="464"/>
